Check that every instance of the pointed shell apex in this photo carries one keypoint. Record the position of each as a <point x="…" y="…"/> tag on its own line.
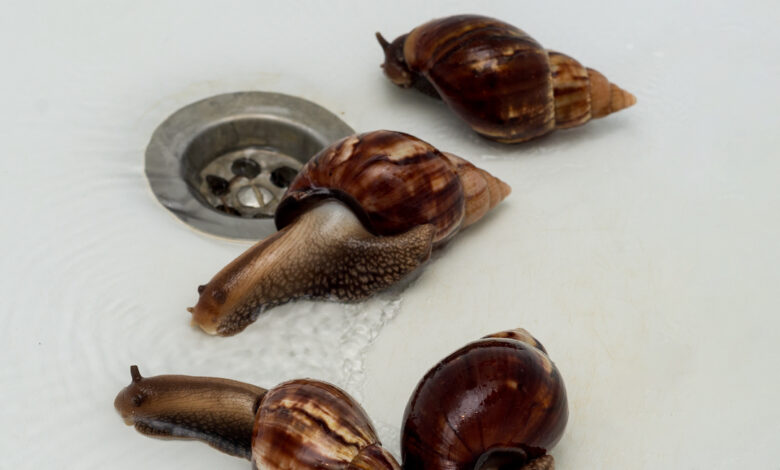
<point x="605" y="97"/>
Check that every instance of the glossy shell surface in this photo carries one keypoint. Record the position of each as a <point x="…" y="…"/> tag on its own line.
<point x="305" y="424"/>
<point x="492" y="394"/>
<point x="492" y="74"/>
<point x="498" y="79"/>
<point x="392" y="181"/>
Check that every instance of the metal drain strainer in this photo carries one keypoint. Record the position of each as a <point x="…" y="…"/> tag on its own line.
<point x="222" y="164"/>
<point x="248" y="182"/>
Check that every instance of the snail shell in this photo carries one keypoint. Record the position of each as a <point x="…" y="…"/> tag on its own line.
<point x="361" y="215"/>
<point x="498" y="402"/>
<point x="301" y="424"/>
<point x="311" y="424"/>
<point x="394" y="182"/>
<point x="499" y="79"/>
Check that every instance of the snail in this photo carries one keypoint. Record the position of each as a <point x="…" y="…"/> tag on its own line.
<point x="361" y="215"/>
<point x="498" y="402"/>
<point x="300" y="424"/>
<point x="499" y="79"/>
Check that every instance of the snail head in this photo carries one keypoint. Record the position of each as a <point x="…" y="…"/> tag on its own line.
<point x="216" y="411"/>
<point x="131" y="400"/>
<point x="395" y="65"/>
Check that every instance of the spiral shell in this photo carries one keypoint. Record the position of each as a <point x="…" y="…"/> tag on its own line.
<point x="306" y="424"/>
<point x="498" y="78"/>
<point x="498" y="399"/>
<point x="394" y="182"/>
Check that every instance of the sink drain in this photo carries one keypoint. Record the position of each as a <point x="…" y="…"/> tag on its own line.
<point x="248" y="182"/>
<point x="222" y="164"/>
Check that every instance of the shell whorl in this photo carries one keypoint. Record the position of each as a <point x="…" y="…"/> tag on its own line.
<point x="393" y="182"/>
<point x="582" y="94"/>
<point x="305" y="424"/>
<point x="492" y="74"/>
<point x="496" y="399"/>
<point x="499" y="79"/>
<point x="482" y="190"/>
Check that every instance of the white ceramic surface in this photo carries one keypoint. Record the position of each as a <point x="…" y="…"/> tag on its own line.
<point x="641" y="249"/>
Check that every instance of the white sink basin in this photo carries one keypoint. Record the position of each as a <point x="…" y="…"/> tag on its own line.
<point x="641" y="249"/>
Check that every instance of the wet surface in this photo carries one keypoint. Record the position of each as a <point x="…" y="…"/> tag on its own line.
<point x="640" y="249"/>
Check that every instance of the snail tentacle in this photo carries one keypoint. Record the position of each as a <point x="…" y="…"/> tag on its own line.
<point x="399" y="73"/>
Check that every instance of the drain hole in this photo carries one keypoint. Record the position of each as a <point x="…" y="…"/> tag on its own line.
<point x="282" y="177"/>
<point x="245" y="167"/>
<point x="248" y="182"/>
<point x="200" y="159"/>
<point x="217" y="185"/>
<point x="227" y="210"/>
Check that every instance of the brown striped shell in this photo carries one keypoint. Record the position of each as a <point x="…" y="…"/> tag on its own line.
<point x="498" y="78"/>
<point x="394" y="182"/>
<point x="307" y="424"/>
<point x="497" y="402"/>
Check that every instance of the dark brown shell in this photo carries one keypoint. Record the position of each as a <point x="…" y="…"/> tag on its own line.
<point x="499" y="79"/>
<point x="392" y="181"/>
<point x="307" y="424"/>
<point x="498" y="399"/>
<point x="492" y="74"/>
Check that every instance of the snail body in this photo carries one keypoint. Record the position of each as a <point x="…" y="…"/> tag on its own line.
<point x="498" y="402"/>
<point x="300" y="424"/>
<point x="361" y="215"/>
<point x="499" y="79"/>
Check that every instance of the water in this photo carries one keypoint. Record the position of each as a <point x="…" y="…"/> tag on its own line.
<point x="641" y="249"/>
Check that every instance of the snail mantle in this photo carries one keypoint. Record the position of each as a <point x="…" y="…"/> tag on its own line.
<point x="222" y="164"/>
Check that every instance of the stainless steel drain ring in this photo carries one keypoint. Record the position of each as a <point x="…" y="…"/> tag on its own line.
<point x="271" y="133"/>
